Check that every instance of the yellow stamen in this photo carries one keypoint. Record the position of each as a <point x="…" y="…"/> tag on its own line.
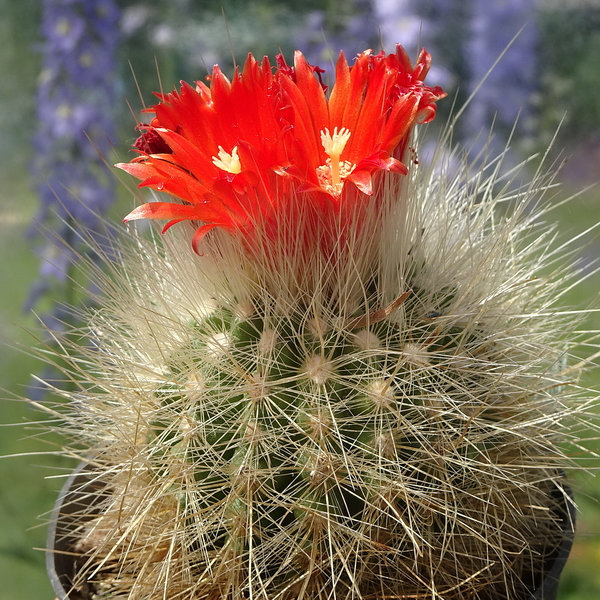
<point x="334" y="146"/>
<point x="228" y="162"/>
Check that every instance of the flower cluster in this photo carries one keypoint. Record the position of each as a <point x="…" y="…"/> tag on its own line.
<point x="271" y="142"/>
<point x="75" y="129"/>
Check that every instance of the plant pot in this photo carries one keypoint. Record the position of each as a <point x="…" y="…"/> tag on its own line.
<point x="82" y="491"/>
<point x="78" y="496"/>
<point x="548" y="587"/>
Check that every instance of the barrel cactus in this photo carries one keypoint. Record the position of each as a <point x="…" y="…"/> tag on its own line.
<point x="340" y="375"/>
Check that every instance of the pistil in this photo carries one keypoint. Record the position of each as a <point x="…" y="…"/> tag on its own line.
<point x="331" y="175"/>
<point x="334" y="146"/>
<point x="228" y="162"/>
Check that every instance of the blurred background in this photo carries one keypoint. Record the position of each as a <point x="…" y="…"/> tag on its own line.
<point x="70" y="71"/>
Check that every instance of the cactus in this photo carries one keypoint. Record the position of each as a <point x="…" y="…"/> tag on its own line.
<point x="336" y="381"/>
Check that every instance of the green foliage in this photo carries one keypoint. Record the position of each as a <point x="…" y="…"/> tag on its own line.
<point x="570" y="78"/>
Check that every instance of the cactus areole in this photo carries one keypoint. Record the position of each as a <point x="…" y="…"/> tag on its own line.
<point x="348" y="388"/>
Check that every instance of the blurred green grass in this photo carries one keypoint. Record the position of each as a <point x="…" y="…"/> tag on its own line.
<point x="581" y="578"/>
<point x="25" y="492"/>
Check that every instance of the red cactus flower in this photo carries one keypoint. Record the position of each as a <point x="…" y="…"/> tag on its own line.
<point x="238" y="151"/>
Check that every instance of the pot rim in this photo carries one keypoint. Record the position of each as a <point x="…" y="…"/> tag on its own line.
<point x="85" y="485"/>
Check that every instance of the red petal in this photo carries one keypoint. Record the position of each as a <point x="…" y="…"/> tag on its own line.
<point x="400" y="121"/>
<point x="163" y="210"/>
<point x="362" y="180"/>
<point x="200" y="233"/>
<point x="341" y="98"/>
<point x="313" y="94"/>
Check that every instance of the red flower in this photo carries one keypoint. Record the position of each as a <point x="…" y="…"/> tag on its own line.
<point x="240" y="151"/>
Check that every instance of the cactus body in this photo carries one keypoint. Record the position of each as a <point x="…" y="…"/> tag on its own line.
<point x="356" y="398"/>
<point x="326" y="449"/>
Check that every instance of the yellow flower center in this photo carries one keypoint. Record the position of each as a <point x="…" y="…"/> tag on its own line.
<point x="64" y="111"/>
<point x="63" y="27"/>
<point x="86" y="59"/>
<point x="228" y="162"/>
<point x="331" y="175"/>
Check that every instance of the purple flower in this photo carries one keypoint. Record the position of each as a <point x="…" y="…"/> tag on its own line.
<point x="104" y="16"/>
<point x="64" y="114"/>
<point x="89" y="63"/>
<point x="506" y="93"/>
<point x="74" y="102"/>
<point x="62" y="26"/>
<point x="54" y="263"/>
<point x="89" y="197"/>
<point x="75" y="99"/>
